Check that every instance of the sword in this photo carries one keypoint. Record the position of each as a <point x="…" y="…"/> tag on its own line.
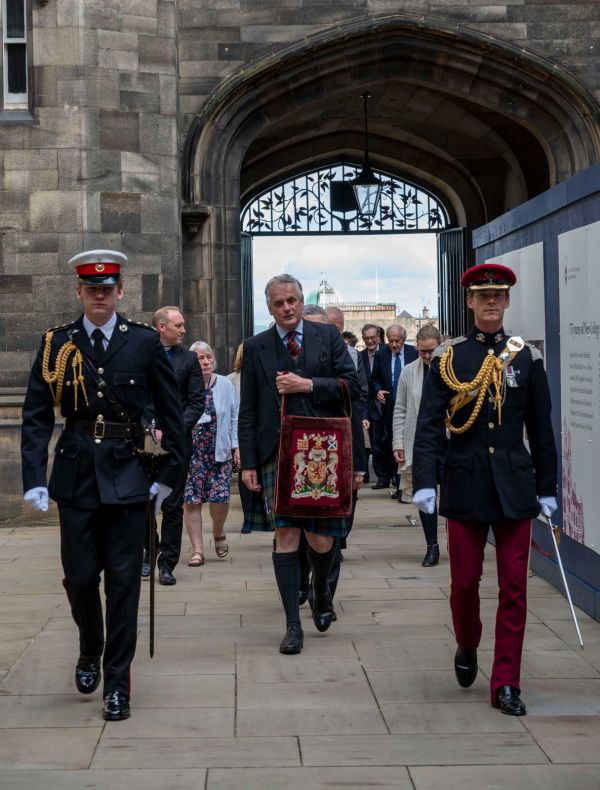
<point x="564" y="580"/>
<point x="152" y="562"/>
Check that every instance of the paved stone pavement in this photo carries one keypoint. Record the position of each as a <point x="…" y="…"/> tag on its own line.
<point x="371" y="704"/>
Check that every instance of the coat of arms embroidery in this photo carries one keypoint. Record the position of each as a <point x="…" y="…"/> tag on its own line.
<point x="316" y="460"/>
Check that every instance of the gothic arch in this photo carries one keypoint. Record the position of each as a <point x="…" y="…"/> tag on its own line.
<point x="484" y="123"/>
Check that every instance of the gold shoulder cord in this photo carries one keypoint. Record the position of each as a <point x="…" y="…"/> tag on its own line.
<point x="490" y="373"/>
<point x="56" y="378"/>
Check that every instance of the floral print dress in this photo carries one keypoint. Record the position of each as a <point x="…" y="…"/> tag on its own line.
<point x="207" y="480"/>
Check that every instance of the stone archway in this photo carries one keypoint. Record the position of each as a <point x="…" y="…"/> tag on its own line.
<point x="483" y="123"/>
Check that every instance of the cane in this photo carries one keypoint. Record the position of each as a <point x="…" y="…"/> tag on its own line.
<point x="564" y="580"/>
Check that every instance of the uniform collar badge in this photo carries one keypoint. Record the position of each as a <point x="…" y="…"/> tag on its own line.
<point x="123" y="327"/>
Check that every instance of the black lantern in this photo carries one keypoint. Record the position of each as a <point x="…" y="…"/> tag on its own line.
<point x="367" y="187"/>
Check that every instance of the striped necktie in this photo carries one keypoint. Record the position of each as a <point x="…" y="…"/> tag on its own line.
<point x="292" y="344"/>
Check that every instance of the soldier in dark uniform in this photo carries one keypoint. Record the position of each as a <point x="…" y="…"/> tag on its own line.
<point x="102" y="370"/>
<point x="488" y="388"/>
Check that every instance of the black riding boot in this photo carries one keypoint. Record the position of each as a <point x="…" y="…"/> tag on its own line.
<point x="322" y="604"/>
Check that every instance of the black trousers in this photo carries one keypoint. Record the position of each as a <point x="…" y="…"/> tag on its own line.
<point x="382" y="435"/>
<point x="109" y="539"/>
<point x="168" y="546"/>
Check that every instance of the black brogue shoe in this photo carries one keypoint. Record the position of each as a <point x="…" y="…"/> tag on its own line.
<point x="509" y="702"/>
<point x="293" y="641"/>
<point x="116" y="706"/>
<point x="465" y="666"/>
<point x="165" y="576"/>
<point x="88" y="673"/>
<point x="432" y="556"/>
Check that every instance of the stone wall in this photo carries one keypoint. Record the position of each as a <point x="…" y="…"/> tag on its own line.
<point x="94" y="167"/>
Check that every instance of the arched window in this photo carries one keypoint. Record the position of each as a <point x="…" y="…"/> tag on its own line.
<point x="322" y="201"/>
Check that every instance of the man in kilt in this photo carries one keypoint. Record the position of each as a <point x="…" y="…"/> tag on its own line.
<point x="304" y="361"/>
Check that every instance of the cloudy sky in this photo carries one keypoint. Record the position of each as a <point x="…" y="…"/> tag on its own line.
<point x="385" y="268"/>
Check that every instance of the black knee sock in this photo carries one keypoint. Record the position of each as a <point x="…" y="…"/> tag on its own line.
<point x="321" y="566"/>
<point x="429" y="522"/>
<point x="287" y="574"/>
<point x="336" y="565"/>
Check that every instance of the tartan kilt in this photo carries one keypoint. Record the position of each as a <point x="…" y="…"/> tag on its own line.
<point x="257" y="520"/>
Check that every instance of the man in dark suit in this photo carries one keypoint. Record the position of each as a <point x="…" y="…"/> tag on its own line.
<point x="304" y="361"/>
<point x="370" y="336"/>
<point x="103" y="370"/>
<point x="485" y="389"/>
<point x="387" y="367"/>
<point x="170" y="324"/>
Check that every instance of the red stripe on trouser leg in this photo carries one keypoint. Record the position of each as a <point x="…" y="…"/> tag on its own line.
<point x="466" y="544"/>
<point x="513" y="540"/>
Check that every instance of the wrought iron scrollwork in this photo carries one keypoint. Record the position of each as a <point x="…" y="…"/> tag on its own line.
<point x="303" y="204"/>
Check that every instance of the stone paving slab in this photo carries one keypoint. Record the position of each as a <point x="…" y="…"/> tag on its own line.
<point x="371" y="703"/>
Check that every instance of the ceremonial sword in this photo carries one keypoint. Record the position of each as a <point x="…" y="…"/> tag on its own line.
<point x="564" y="579"/>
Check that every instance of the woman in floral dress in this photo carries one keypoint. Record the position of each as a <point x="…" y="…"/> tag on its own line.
<point x="214" y="450"/>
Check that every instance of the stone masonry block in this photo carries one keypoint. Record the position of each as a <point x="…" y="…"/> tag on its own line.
<point x="52" y="294"/>
<point x="150" y="286"/>
<point x="120" y="211"/>
<point x="119" y="130"/>
<point x="56" y="46"/>
<point x="135" y="101"/>
<point x="138" y="163"/>
<point x="145" y="25"/>
<point x="118" y="59"/>
<point x="106" y="15"/>
<point x="158" y="135"/>
<point x="160" y="214"/>
<point x="140" y="7"/>
<point x="13" y="243"/>
<point x="32" y="263"/>
<point x="30" y="180"/>
<point x="140" y="182"/>
<point x="67" y="13"/>
<point x="65" y="128"/>
<point x="139" y="82"/>
<point x="110" y="39"/>
<point x="31" y="160"/>
<point x="168" y="95"/>
<point x="45" y="88"/>
<point x="89" y="93"/>
<point x="16" y="284"/>
<point x="157" y="55"/>
<point x="52" y="211"/>
<point x="167" y="19"/>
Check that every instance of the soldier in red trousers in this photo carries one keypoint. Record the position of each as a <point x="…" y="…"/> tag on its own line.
<point x="487" y="388"/>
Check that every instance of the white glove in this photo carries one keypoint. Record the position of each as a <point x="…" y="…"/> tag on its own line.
<point x="424" y="499"/>
<point x="547" y="505"/>
<point x="161" y="492"/>
<point x="37" y="498"/>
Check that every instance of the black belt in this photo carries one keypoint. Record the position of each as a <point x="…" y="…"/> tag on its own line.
<point x="102" y="429"/>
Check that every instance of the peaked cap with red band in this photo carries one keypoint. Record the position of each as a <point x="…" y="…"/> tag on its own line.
<point x="99" y="267"/>
<point x="488" y="275"/>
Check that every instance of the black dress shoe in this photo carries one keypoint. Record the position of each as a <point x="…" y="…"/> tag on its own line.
<point x="323" y="613"/>
<point x="293" y="641"/>
<point x="145" y="567"/>
<point x="88" y="673"/>
<point x="432" y="556"/>
<point x="465" y="666"/>
<point x="165" y="576"/>
<point x="116" y="706"/>
<point x="366" y="478"/>
<point x="381" y="483"/>
<point x="395" y="495"/>
<point x="509" y="702"/>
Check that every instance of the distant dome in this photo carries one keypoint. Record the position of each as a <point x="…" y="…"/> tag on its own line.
<point x="324" y="295"/>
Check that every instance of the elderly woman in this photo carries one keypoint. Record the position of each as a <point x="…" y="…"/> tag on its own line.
<point x="214" y="448"/>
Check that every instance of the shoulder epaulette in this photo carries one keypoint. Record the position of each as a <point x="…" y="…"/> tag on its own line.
<point x="534" y="351"/>
<point x="140" y="323"/>
<point x="446" y="344"/>
<point x="59" y="327"/>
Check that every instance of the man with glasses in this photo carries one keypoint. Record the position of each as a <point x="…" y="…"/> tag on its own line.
<point x="406" y="410"/>
<point x="487" y="388"/>
<point x="387" y="367"/>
